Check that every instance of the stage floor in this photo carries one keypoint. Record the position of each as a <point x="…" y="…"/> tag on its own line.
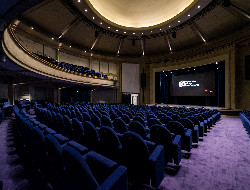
<point x="223" y="110"/>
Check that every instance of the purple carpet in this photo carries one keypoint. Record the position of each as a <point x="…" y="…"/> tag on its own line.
<point x="221" y="161"/>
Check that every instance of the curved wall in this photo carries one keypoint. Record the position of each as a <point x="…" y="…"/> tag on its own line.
<point x="20" y="55"/>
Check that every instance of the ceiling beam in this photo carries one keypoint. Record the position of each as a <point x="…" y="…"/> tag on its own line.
<point x="120" y="45"/>
<point x="195" y="28"/>
<point x="96" y="40"/>
<point x="166" y="38"/>
<point x="73" y="24"/>
<point x="231" y="8"/>
<point x="143" y="45"/>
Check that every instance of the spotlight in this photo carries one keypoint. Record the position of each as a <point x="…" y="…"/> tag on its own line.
<point x="174" y="34"/>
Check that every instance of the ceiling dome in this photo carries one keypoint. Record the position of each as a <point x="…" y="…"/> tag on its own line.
<point x="137" y="14"/>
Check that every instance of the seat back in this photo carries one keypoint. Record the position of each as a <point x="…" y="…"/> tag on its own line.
<point x="78" y="131"/>
<point x="68" y="128"/>
<point x="60" y="123"/>
<point x="139" y="119"/>
<point x="153" y="121"/>
<point x="165" y="119"/>
<point x="135" y="151"/>
<point x="110" y="143"/>
<point x="138" y="128"/>
<point x="91" y="136"/>
<point x="86" y="117"/>
<point x="106" y="121"/>
<point x="120" y="126"/>
<point x="177" y="128"/>
<point x="187" y="123"/>
<point x="125" y="118"/>
<point x="95" y="120"/>
<point x="78" y="171"/>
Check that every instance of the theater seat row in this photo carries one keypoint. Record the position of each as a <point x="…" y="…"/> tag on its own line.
<point x="245" y="118"/>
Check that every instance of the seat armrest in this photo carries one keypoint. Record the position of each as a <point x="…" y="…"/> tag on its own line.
<point x="188" y="136"/>
<point x="177" y="140"/>
<point x="156" y="161"/>
<point x="117" y="180"/>
<point x="176" y="148"/>
<point x="80" y="148"/>
<point x="151" y="145"/>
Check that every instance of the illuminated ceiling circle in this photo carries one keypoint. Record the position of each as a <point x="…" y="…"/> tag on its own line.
<point x="140" y="14"/>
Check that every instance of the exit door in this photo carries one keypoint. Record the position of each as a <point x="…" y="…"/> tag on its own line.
<point x="134" y="99"/>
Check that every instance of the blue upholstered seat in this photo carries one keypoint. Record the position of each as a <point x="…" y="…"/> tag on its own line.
<point x="172" y="144"/>
<point x="93" y="171"/>
<point x="187" y="123"/>
<point x="186" y="134"/>
<point x="143" y="165"/>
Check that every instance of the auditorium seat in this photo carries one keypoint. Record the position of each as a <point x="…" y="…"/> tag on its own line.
<point x="165" y="119"/>
<point x="187" y="123"/>
<point x="186" y="134"/>
<point x="78" y="131"/>
<point x="138" y="128"/>
<point x="198" y="124"/>
<point x="95" y="120"/>
<point x="153" y="121"/>
<point x="110" y="144"/>
<point x="106" y="121"/>
<point x="91" y="136"/>
<point x="172" y="143"/>
<point x="144" y="166"/>
<point x="120" y="126"/>
<point x="93" y="171"/>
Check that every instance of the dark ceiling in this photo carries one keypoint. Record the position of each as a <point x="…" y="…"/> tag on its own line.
<point x="60" y="18"/>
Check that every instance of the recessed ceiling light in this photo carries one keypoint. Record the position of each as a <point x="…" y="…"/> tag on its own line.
<point x="142" y="33"/>
<point x="133" y="33"/>
<point x="70" y="46"/>
<point x="79" y="1"/>
<point x="86" y="10"/>
<point x="160" y="28"/>
<point x="52" y="38"/>
<point x="32" y="28"/>
<point x="179" y="21"/>
<point x="100" y="22"/>
<point x="188" y="15"/>
<point x="93" y="17"/>
<point x="199" y="6"/>
<point x="85" y="51"/>
<point x="194" y="69"/>
<point x="108" y="26"/>
<point x="124" y="32"/>
<point x="116" y="30"/>
<point x="216" y="63"/>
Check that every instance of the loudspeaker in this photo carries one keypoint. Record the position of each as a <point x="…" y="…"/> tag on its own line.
<point x="143" y="80"/>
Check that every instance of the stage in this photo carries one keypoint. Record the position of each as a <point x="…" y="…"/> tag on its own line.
<point x="222" y="110"/>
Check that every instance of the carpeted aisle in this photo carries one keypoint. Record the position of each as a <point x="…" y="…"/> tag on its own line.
<point x="221" y="161"/>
